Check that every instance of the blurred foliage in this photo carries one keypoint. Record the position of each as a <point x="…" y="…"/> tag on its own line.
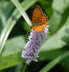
<point x="14" y="27"/>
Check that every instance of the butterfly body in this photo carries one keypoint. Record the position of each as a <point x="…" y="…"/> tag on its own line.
<point x="36" y="24"/>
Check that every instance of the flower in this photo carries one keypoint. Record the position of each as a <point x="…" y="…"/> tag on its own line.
<point x="32" y="47"/>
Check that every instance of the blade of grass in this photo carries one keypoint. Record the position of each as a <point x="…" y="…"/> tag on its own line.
<point x="54" y="62"/>
<point x="11" y="55"/>
<point x="11" y="23"/>
<point x="22" y="11"/>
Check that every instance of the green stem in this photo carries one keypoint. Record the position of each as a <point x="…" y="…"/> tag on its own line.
<point x="24" y="69"/>
<point x="22" y="11"/>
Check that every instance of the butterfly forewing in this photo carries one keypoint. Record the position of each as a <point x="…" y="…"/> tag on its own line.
<point x="36" y="16"/>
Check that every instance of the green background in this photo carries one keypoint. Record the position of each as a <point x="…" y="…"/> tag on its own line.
<point x="14" y="32"/>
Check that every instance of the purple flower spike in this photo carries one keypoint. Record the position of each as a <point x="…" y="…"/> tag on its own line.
<point x="32" y="47"/>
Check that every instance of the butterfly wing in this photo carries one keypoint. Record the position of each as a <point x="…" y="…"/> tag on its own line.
<point x="36" y="16"/>
<point x="39" y="20"/>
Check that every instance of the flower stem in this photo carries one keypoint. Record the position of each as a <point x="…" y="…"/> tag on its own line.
<point x="24" y="69"/>
<point x="22" y="11"/>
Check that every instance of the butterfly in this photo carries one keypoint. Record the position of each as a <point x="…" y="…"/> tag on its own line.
<point x="39" y="20"/>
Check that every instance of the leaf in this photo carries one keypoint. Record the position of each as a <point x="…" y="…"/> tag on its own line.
<point x="56" y="41"/>
<point x="50" y="55"/>
<point x="5" y="11"/>
<point x="60" y="5"/>
<point x="54" y="62"/>
<point x="58" y="24"/>
<point x="12" y="52"/>
<point x="11" y="22"/>
<point x="59" y="16"/>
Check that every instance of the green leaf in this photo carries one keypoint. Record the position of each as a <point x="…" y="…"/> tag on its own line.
<point x="54" y="62"/>
<point x="11" y="23"/>
<point x="59" y="16"/>
<point x="50" y="55"/>
<point x="5" y="10"/>
<point x="65" y="64"/>
<point x="56" y="41"/>
<point x="60" y="5"/>
<point x="12" y="52"/>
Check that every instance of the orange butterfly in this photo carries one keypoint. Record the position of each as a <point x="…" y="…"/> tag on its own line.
<point x="39" y="20"/>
